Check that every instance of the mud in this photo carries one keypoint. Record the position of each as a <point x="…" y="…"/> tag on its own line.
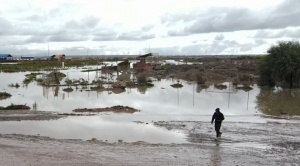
<point x="18" y="115"/>
<point x="115" y="109"/>
<point x="210" y="73"/>
<point x="273" y="143"/>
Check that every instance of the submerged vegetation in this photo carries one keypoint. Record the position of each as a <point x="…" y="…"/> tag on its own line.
<point x="16" y="85"/>
<point x="4" y="95"/>
<point x="68" y="89"/>
<point x="31" y="77"/>
<point x="116" y="109"/>
<point x="220" y="86"/>
<point x="15" y="107"/>
<point x="90" y="70"/>
<point x="177" y="85"/>
<point x="246" y="88"/>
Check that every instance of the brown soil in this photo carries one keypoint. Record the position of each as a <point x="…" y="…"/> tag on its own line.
<point x="18" y="115"/>
<point x="21" y="114"/>
<point x="210" y="73"/>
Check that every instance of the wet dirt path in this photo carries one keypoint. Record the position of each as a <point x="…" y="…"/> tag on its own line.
<point x="272" y="143"/>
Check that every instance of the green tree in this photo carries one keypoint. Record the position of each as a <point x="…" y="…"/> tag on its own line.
<point x="282" y="65"/>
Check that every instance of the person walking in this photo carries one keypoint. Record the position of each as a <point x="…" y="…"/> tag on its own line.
<point x="218" y="117"/>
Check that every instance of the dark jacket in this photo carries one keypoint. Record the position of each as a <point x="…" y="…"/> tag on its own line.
<point x="218" y="117"/>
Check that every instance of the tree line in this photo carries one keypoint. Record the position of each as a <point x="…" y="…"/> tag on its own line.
<point x="281" y="66"/>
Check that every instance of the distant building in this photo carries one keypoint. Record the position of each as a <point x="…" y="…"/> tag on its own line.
<point x="58" y="57"/>
<point x="27" y="57"/>
<point x="143" y="66"/>
<point x="5" y="57"/>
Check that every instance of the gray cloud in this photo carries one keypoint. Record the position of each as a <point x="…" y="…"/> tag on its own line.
<point x="110" y="35"/>
<point x="36" y="39"/>
<point x="179" y="33"/>
<point x="57" y="12"/>
<point x="20" y="28"/>
<point x="104" y="34"/>
<point x="104" y="38"/>
<point x="283" y="33"/>
<point x="134" y="36"/>
<point x="35" y="18"/>
<point x="147" y="27"/>
<point x="75" y="51"/>
<point x="171" y="19"/>
<point x="74" y="30"/>
<point x="67" y="38"/>
<point x="87" y="24"/>
<point x="259" y="42"/>
<point x="6" y="27"/>
<point x="39" y="32"/>
<point x="219" y="37"/>
<point x="216" y="47"/>
<point x="234" y="19"/>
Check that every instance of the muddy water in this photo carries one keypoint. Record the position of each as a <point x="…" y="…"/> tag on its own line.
<point x="99" y="127"/>
<point x="159" y="103"/>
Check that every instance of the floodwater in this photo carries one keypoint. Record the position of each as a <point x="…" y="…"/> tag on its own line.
<point x="159" y="103"/>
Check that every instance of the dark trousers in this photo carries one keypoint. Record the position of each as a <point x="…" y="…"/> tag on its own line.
<point x="217" y="128"/>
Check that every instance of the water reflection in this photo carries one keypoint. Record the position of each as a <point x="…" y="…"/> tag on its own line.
<point x="99" y="127"/>
<point x="215" y="157"/>
<point x="162" y="99"/>
<point x="279" y="101"/>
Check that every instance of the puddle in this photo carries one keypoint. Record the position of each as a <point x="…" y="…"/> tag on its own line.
<point x="86" y="128"/>
<point x="248" y="145"/>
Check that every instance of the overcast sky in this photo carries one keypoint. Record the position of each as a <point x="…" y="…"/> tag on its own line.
<point x="177" y="27"/>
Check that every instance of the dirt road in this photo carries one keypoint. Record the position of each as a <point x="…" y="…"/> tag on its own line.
<point x="272" y="143"/>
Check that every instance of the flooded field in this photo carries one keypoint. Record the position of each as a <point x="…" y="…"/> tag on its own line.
<point x="161" y="102"/>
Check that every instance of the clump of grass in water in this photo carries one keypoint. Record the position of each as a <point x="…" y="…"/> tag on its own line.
<point x="27" y="81"/>
<point x="4" y="95"/>
<point x="177" y="85"/>
<point x="245" y="88"/>
<point x="14" y="85"/>
<point x="220" y="86"/>
<point x="149" y="84"/>
<point x="59" y="74"/>
<point x="32" y="75"/>
<point x="68" y="89"/>
<point x="15" y="107"/>
<point x="89" y="70"/>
